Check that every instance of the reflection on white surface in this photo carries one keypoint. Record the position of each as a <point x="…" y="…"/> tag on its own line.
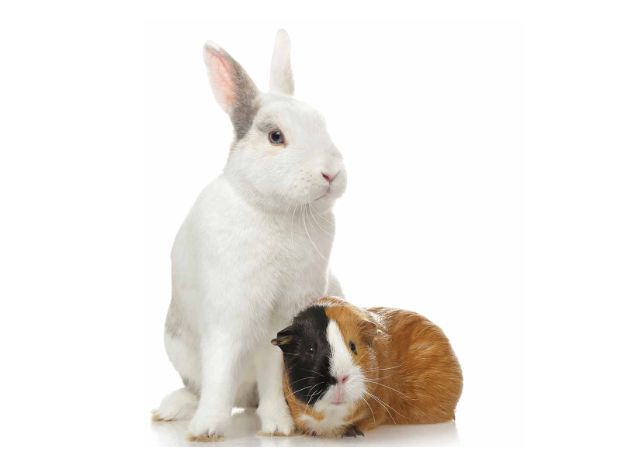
<point x="244" y="426"/>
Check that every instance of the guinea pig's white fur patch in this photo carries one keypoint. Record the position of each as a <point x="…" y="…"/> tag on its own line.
<point x="341" y="363"/>
<point x="347" y="393"/>
<point x="334" y="417"/>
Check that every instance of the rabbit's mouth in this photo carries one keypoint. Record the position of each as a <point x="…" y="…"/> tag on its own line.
<point x="323" y="196"/>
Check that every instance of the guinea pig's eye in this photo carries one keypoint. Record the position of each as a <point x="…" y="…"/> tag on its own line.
<point x="276" y="138"/>
<point x="352" y="346"/>
<point x="311" y="350"/>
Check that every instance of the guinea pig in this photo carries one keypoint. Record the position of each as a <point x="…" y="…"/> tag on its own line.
<point x="349" y="370"/>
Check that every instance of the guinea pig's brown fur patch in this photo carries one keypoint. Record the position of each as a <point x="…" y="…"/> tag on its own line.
<point x="412" y="375"/>
<point x="299" y="408"/>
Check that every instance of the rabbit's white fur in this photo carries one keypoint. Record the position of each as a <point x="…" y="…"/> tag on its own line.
<point x="252" y="252"/>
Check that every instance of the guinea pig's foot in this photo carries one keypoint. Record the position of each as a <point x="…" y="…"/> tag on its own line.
<point x="352" y="432"/>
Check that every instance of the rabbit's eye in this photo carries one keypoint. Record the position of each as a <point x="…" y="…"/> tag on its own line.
<point x="276" y="138"/>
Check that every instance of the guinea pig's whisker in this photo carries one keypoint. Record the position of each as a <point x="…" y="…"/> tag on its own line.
<point x="308" y="370"/>
<point x="370" y="409"/>
<point x="383" y="369"/>
<point x="386" y="407"/>
<point x="302" y="379"/>
<point x="356" y="377"/>
<point x="365" y="377"/>
<point x="304" y="389"/>
<point x="363" y="357"/>
<point x="383" y="402"/>
<point x="313" y="393"/>
<point x="391" y="388"/>
<point x="300" y="390"/>
<point x="383" y="405"/>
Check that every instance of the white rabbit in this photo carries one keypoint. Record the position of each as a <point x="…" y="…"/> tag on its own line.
<point x="252" y="252"/>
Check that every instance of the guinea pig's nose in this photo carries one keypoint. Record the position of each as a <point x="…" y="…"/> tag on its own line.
<point x="342" y="379"/>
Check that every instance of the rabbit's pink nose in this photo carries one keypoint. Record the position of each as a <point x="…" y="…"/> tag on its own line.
<point x="329" y="177"/>
<point x="342" y="379"/>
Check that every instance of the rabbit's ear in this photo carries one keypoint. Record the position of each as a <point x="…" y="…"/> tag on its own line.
<point x="232" y="87"/>
<point x="281" y="77"/>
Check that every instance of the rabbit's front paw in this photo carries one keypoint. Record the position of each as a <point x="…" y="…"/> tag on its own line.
<point x="276" y="422"/>
<point x="206" y="428"/>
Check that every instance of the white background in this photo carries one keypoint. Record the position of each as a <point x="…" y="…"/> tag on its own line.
<point x="77" y="345"/>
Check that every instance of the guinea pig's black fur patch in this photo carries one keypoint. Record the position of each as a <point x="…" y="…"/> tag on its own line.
<point x="307" y="355"/>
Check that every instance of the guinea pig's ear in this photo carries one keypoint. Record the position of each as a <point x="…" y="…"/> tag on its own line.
<point x="283" y="337"/>
<point x="232" y="87"/>
<point x="368" y="330"/>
